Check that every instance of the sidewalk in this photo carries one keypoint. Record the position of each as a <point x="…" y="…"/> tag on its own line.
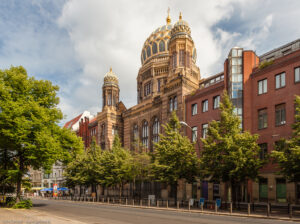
<point x="29" y="216"/>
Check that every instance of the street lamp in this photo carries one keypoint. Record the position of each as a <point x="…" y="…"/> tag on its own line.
<point x="185" y="124"/>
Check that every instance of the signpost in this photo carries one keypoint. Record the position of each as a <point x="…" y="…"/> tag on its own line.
<point x="218" y="202"/>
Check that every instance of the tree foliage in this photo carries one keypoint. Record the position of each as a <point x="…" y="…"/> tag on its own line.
<point x="229" y="154"/>
<point x="29" y="131"/>
<point x="174" y="155"/>
<point x="287" y="153"/>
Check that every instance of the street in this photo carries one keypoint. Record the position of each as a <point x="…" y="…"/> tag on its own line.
<point x="95" y="213"/>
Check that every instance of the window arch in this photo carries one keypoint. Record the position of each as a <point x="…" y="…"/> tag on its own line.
<point x="161" y="46"/>
<point x="155" y="130"/>
<point x="148" y="51"/>
<point x="154" y="48"/>
<point x="145" y="134"/>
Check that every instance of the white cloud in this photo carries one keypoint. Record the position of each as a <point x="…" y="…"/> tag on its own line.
<point x="73" y="42"/>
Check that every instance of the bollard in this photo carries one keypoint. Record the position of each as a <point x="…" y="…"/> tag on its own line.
<point x="167" y="203"/>
<point x="126" y="202"/>
<point x="157" y="203"/>
<point x="248" y="208"/>
<point x="148" y="202"/>
<point x="93" y="199"/>
<point x="189" y="206"/>
<point x="177" y="204"/>
<point x="102" y="200"/>
<point x="230" y="207"/>
<point x="291" y="211"/>
<point x="216" y="207"/>
<point x="268" y="209"/>
<point x="202" y="207"/>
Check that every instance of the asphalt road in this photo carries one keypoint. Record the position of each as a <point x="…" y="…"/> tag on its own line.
<point x="95" y="213"/>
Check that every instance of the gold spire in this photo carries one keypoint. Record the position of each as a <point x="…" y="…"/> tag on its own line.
<point x="110" y="69"/>
<point x="168" y="18"/>
<point x="180" y="16"/>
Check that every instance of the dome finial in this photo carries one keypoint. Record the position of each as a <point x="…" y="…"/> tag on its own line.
<point x="180" y="16"/>
<point x="110" y="69"/>
<point x="168" y="18"/>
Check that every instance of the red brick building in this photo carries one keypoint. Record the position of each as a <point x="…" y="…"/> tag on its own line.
<point x="262" y="90"/>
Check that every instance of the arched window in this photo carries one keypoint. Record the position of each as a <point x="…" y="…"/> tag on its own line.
<point x="102" y="136"/>
<point x="171" y="104"/>
<point x="175" y="102"/>
<point x="154" y="48"/>
<point x="155" y="130"/>
<point x="161" y="46"/>
<point x="144" y="55"/>
<point x="148" y="51"/>
<point x="174" y="57"/>
<point x="181" y="58"/>
<point x="109" y="99"/>
<point x="145" y="134"/>
<point x="135" y="132"/>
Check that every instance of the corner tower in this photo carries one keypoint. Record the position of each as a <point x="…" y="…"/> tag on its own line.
<point x="183" y="52"/>
<point x="110" y="90"/>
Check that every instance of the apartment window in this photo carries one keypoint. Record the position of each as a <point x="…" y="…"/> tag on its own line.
<point x="194" y="109"/>
<point x="204" y="105"/>
<point x="263" y="150"/>
<point x="216" y="102"/>
<point x="262" y="119"/>
<point x="145" y="134"/>
<point x="280" y="80"/>
<point x="280" y="114"/>
<point x="262" y="86"/>
<point x="147" y="89"/>
<point x="204" y="130"/>
<point x="194" y="134"/>
<point x="297" y="74"/>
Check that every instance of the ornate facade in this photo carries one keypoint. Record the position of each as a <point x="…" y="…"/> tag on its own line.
<point x="168" y="73"/>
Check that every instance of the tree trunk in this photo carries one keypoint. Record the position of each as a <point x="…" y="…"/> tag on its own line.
<point x="19" y="179"/>
<point x="175" y="191"/>
<point x="229" y="191"/>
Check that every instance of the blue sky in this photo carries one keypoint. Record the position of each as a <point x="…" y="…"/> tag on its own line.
<point x="74" y="42"/>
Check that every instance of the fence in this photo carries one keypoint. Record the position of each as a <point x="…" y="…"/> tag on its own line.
<point x="242" y="208"/>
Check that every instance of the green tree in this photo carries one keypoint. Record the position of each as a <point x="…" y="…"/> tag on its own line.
<point x="287" y="153"/>
<point x="174" y="156"/>
<point x="229" y="154"/>
<point x="85" y="169"/>
<point x="116" y="166"/>
<point x="29" y="131"/>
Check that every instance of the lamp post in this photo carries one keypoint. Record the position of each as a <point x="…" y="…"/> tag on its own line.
<point x="185" y="124"/>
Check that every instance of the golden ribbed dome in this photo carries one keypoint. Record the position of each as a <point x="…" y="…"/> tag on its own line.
<point x="110" y="78"/>
<point x="157" y="43"/>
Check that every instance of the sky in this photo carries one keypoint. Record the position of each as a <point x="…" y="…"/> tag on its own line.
<point x="73" y="43"/>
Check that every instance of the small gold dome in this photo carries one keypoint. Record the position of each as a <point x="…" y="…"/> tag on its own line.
<point x="181" y="27"/>
<point x="110" y="78"/>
